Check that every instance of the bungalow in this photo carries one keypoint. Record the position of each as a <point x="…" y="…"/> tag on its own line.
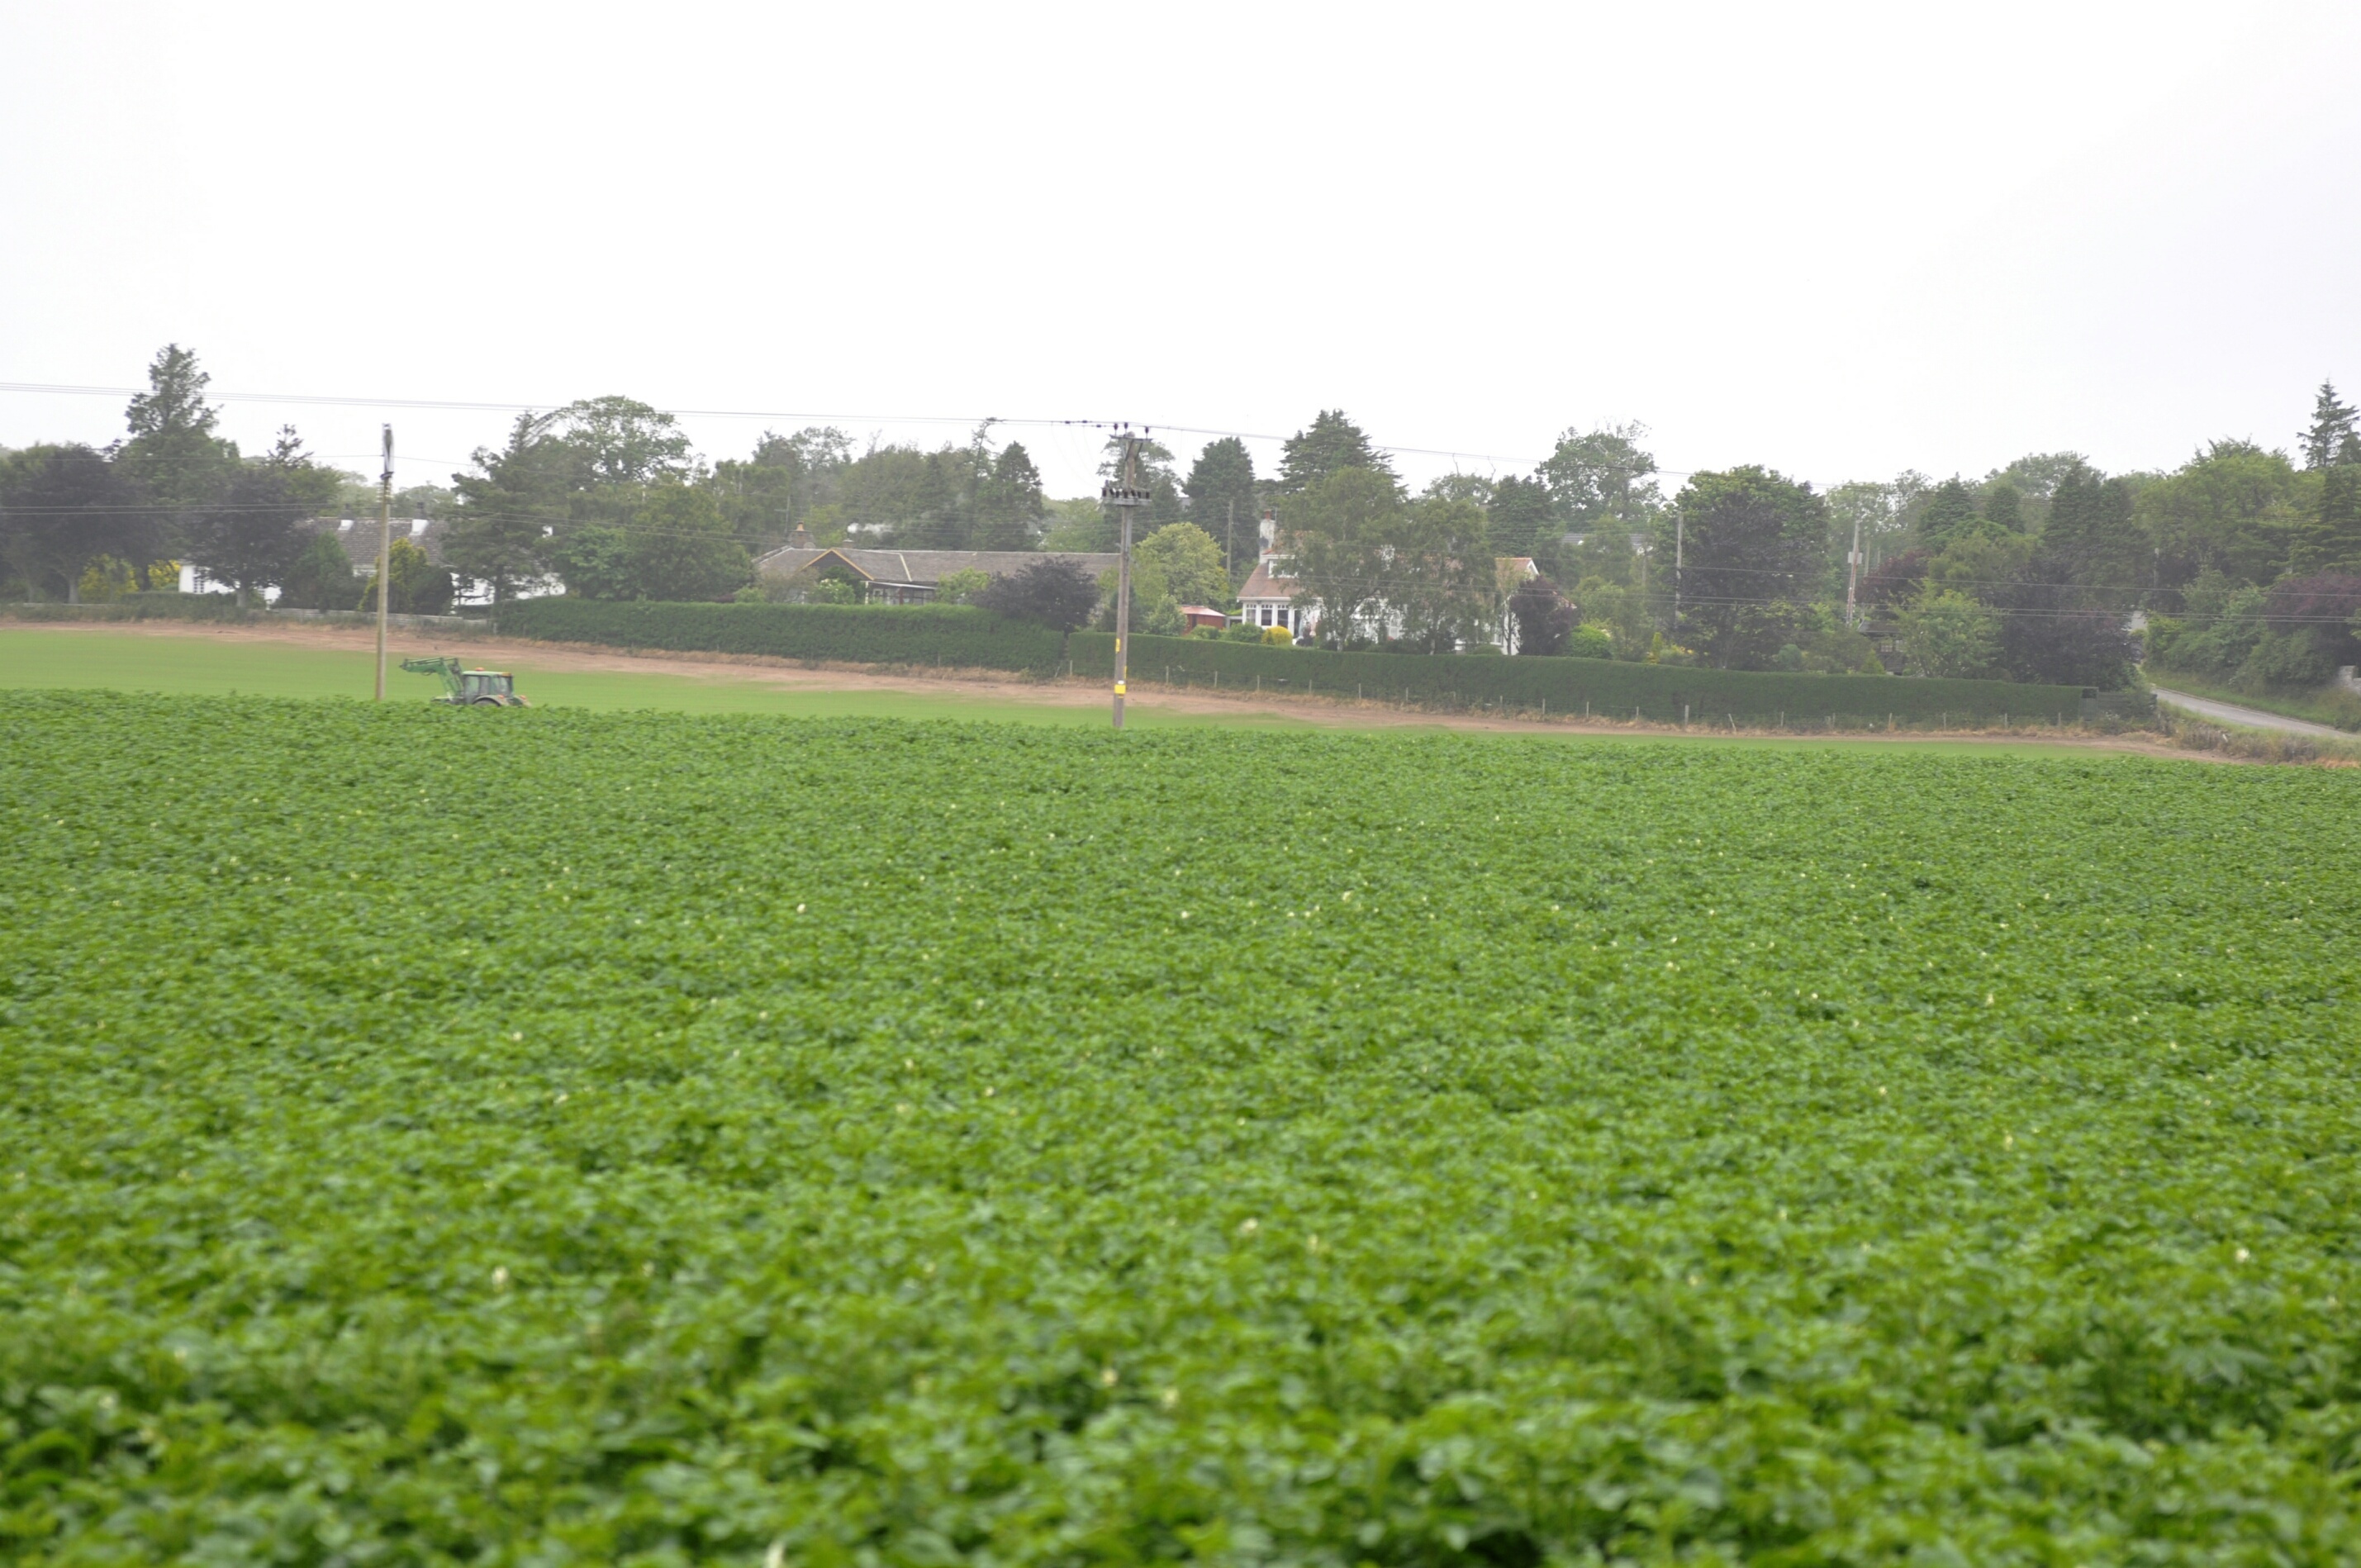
<point x="912" y="576"/>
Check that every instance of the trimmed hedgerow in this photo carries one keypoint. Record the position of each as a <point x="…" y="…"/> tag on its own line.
<point x="1609" y="688"/>
<point x="140" y="607"/>
<point x="858" y="634"/>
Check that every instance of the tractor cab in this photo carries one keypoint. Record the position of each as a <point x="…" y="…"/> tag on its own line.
<point x="469" y="688"/>
<point x="495" y="687"/>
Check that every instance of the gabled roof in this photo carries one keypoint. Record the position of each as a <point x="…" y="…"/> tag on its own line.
<point x="925" y="569"/>
<point x="1263" y="584"/>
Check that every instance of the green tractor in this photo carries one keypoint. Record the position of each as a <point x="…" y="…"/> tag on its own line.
<point x="469" y="688"/>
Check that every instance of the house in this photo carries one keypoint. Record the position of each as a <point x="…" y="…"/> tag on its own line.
<point x="1195" y="617"/>
<point x="1268" y="598"/>
<point x="359" y="541"/>
<point x="911" y="576"/>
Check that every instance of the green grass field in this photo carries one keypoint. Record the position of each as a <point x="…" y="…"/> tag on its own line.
<point x="199" y="664"/>
<point x="36" y="658"/>
<point x="656" y="1138"/>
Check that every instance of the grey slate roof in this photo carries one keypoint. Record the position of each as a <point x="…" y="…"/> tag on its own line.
<point x="359" y="536"/>
<point x="925" y="569"/>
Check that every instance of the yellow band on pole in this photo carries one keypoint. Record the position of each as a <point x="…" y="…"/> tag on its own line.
<point x="1118" y="688"/>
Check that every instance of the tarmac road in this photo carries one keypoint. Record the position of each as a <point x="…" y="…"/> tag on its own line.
<point x="2251" y="718"/>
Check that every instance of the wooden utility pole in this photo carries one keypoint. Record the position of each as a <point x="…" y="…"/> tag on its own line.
<point x="1852" y="574"/>
<point x="384" y="553"/>
<point x="1680" y="542"/>
<point x="1229" y="541"/>
<point x="1125" y="497"/>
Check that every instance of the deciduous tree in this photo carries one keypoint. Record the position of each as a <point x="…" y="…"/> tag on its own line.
<point x="1751" y="564"/>
<point x="252" y="533"/>
<point x="1336" y="541"/>
<point x="61" y="508"/>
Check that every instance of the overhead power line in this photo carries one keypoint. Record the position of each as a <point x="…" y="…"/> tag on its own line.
<point x="61" y="388"/>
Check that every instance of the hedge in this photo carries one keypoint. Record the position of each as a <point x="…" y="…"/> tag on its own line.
<point x="951" y="634"/>
<point x="1604" y="687"/>
<point x="138" y="607"/>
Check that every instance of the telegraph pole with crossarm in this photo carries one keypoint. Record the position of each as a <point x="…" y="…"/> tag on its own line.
<point x="1125" y="497"/>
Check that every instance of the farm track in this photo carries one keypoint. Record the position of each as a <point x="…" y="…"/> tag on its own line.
<point x="1146" y="694"/>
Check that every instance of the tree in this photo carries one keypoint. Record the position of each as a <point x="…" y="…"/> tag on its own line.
<point x="1951" y="511"/>
<point x="1871" y="510"/>
<point x="1895" y="582"/>
<point x="2329" y="537"/>
<point x="1519" y="514"/>
<point x="1054" y="591"/>
<point x="2092" y="540"/>
<point x="173" y="453"/>
<point x="1601" y="479"/>
<point x="2005" y="508"/>
<point x="2322" y="606"/>
<point x="1441" y="583"/>
<point x="2050" y="633"/>
<point x="1223" y="501"/>
<point x="961" y="587"/>
<point x="1949" y="634"/>
<point x="1153" y="473"/>
<point x="1180" y="563"/>
<point x="321" y="577"/>
<point x="1752" y="559"/>
<point x="2333" y="428"/>
<point x="63" y="507"/>
<point x="898" y="494"/>
<point x="1544" y="618"/>
<point x="509" y="507"/>
<point x="2232" y="509"/>
<point x="621" y="441"/>
<point x="1009" y="503"/>
<point x="1330" y="444"/>
<point x="419" y="586"/>
<point x="251" y="537"/>
<point x="1336" y="541"/>
<point x="682" y="549"/>
<point x="758" y="495"/>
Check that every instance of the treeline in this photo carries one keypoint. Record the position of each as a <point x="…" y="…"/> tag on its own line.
<point x="2245" y="562"/>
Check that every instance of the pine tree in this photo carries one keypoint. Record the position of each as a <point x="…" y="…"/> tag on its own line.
<point x="172" y="451"/>
<point x="1223" y="499"/>
<point x="1008" y="501"/>
<point x="2004" y="507"/>
<point x="2333" y="429"/>
<point x="1330" y="443"/>
<point x="2332" y="541"/>
<point x="1519" y="515"/>
<point x="1949" y="512"/>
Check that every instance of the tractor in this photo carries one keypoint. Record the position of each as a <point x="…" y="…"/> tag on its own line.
<point x="469" y="688"/>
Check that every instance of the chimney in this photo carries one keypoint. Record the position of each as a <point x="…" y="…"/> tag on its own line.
<point x="800" y="539"/>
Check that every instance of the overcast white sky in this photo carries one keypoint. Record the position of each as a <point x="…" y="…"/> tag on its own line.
<point x="1837" y="240"/>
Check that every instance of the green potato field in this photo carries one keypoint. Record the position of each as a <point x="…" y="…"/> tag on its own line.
<point x="562" y="1137"/>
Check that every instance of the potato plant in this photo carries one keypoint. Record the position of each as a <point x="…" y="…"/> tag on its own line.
<point x="656" y="1139"/>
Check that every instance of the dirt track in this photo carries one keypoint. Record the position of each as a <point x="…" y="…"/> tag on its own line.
<point x="794" y="674"/>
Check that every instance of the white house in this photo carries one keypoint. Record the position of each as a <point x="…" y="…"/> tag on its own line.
<point x="1269" y="597"/>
